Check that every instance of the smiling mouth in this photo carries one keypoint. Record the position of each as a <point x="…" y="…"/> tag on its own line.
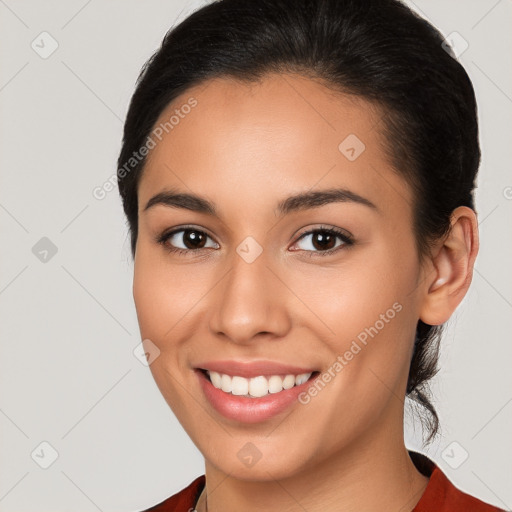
<point x="256" y="387"/>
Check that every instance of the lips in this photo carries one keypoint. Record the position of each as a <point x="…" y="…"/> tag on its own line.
<point x="253" y="368"/>
<point x="249" y="391"/>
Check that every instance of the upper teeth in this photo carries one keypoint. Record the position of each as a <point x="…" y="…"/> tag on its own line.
<point x="256" y="386"/>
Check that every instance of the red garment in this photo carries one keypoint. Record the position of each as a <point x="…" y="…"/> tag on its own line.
<point x="440" y="494"/>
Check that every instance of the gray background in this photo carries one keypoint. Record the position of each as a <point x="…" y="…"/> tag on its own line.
<point x="68" y="375"/>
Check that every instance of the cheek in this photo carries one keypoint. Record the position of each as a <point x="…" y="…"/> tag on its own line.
<point x="368" y="318"/>
<point x="361" y="291"/>
<point x="164" y="295"/>
<point x="163" y="303"/>
<point x="169" y="299"/>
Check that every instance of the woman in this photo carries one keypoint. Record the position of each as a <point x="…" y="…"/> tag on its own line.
<point x="298" y="181"/>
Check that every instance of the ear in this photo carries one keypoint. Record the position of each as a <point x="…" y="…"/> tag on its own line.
<point x="451" y="268"/>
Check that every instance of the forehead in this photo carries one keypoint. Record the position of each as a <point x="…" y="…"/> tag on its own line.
<point x="284" y="133"/>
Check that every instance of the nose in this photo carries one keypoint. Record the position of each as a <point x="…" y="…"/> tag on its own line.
<point x="249" y="302"/>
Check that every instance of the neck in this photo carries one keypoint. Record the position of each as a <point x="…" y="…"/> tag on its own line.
<point x="373" y="473"/>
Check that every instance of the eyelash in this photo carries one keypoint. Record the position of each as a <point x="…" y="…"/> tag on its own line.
<point x="345" y="238"/>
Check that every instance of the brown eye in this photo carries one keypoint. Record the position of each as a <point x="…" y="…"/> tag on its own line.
<point x="324" y="241"/>
<point x="186" y="240"/>
<point x="193" y="239"/>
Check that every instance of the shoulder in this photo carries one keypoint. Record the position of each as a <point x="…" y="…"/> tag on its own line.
<point x="183" y="501"/>
<point x="441" y="495"/>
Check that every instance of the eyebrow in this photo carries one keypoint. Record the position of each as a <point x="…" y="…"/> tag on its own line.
<point x="298" y="202"/>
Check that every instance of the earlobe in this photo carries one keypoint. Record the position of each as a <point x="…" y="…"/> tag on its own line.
<point x="452" y="268"/>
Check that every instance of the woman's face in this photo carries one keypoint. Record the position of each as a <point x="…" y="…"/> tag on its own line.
<point x="257" y="288"/>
